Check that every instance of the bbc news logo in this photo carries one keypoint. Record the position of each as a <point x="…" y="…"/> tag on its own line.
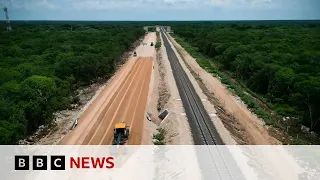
<point x="39" y="163"/>
<point x="59" y="162"/>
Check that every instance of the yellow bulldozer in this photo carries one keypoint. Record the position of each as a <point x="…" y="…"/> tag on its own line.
<point x="120" y="133"/>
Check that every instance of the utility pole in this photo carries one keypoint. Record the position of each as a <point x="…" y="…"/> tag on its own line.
<point x="7" y="19"/>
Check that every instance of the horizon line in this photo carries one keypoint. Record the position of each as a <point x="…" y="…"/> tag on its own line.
<point x="175" y="20"/>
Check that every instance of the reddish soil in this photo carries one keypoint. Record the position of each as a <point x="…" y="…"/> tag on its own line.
<point x="123" y="100"/>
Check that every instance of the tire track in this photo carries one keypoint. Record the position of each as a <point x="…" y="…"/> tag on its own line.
<point x="138" y="113"/>
<point x="74" y="137"/>
<point x="112" y="109"/>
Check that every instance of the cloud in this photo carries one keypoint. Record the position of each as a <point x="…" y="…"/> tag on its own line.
<point x="141" y="4"/>
<point x="30" y="4"/>
<point x="103" y="5"/>
<point x="46" y="4"/>
<point x="138" y="4"/>
<point x="162" y="9"/>
<point x="165" y="4"/>
<point x="259" y="2"/>
<point x="242" y="4"/>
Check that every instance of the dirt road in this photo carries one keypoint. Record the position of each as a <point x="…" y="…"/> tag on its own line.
<point x="123" y="100"/>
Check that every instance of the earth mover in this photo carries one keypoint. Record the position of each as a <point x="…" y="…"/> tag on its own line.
<point x="120" y="133"/>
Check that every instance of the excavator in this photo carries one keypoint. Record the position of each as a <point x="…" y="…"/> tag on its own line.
<point x="120" y="133"/>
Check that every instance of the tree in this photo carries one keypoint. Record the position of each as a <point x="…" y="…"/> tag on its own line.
<point x="309" y="94"/>
<point x="283" y="83"/>
<point x="38" y="96"/>
<point x="277" y="60"/>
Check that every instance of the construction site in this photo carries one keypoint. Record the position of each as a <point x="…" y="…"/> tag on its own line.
<point x="156" y="93"/>
<point x="158" y="90"/>
<point x="155" y="89"/>
<point x="123" y="100"/>
<point x="120" y="85"/>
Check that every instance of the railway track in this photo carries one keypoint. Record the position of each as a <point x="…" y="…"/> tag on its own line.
<point x="204" y="132"/>
<point x="215" y="162"/>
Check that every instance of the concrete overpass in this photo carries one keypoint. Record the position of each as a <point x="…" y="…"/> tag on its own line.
<point x="167" y="28"/>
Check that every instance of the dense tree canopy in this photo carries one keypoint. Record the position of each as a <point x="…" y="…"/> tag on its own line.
<point x="280" y="60"/>
<point x="42" y="63"/>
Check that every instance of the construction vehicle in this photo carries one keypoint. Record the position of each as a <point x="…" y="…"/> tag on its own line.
<point x="120" y="133"/>
<point x="135" y="54"/>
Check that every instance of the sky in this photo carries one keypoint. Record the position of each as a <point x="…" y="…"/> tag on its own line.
<point x="162" y="10"/>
